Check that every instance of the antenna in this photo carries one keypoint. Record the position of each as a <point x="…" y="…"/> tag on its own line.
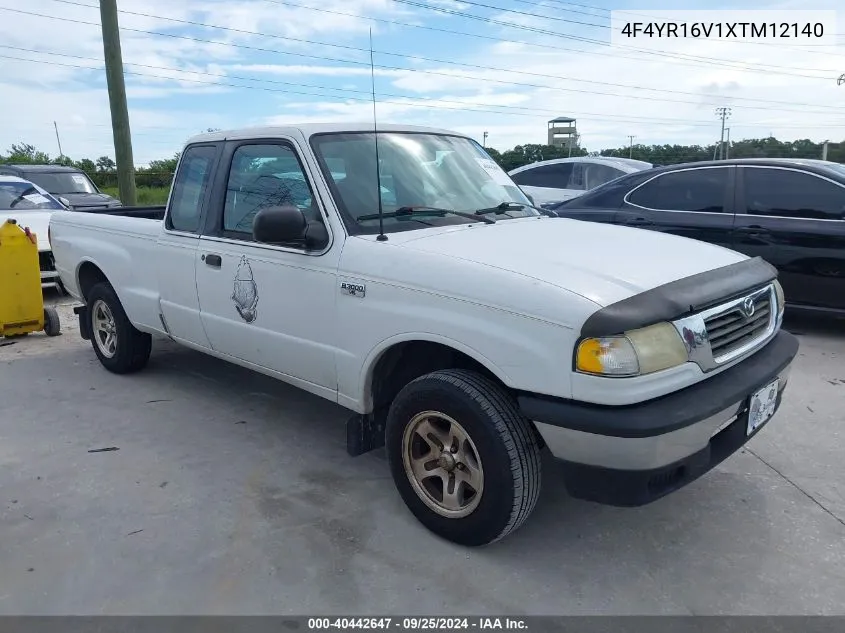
<point x="381" y="236"/>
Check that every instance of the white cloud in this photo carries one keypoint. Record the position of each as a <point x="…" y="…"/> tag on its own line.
<point x="172" y="95"/>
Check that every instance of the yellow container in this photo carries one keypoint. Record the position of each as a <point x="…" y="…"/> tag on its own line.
<point x="22" y="307"/>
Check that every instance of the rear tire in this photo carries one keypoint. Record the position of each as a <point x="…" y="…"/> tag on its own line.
<point x="52" y="323"/>
<point x="121" y="348"/>
<point x="464" y="459"/>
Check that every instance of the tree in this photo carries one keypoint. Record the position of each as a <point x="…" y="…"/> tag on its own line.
<point x="87" y="165"/>
<point x="26" y="154"/>
<point x="104" y="163"/>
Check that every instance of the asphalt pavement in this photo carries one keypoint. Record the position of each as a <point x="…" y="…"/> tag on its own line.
<point x="220" y="491"/>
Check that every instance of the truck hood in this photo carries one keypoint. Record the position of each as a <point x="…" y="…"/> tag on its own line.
<point x="601" y="262"/>
<point x="90" y="200"/>
<point x="37" y="221"/>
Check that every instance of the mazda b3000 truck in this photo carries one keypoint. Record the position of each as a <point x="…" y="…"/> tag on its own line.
<point x="406" y="277"/>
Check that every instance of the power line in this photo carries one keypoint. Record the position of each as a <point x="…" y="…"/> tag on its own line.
<point x="416" y="70"/>
<point x="471" y="107"/>
<point x="572" y="79"/>
<point x="466" y="107"/>
<point x="710" y="60"/>
<point x="764" y="68"/>
<point x="652" y="18"/>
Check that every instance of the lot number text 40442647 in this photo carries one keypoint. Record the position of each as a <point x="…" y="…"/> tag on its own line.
<point x="417" y="623"/>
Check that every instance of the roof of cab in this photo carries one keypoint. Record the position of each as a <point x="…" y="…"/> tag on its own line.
<point x="309" y="129"/>
<point x="40" y="168"/>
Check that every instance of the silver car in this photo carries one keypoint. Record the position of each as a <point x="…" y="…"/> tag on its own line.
<point x="561" y="179"/>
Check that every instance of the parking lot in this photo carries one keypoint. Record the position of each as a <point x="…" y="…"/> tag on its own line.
<point x="232" y="493"/>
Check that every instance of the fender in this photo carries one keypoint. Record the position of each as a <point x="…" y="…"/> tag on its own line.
<point x="364" y="400"/>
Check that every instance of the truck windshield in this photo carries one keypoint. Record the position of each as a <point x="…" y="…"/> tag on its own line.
<point x="418" y="171"/>
<point x="62" y="182"/>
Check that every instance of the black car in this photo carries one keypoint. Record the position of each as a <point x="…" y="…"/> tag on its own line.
<point x="69" y="183"/>
<point x="791" y="212"/>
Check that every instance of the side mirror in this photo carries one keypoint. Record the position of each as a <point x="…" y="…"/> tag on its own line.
<point x="279" y="224"/>
<point x="65" y="202"/>
<point x="286" y="225"/>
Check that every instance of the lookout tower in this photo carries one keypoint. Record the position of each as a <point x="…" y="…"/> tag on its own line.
<point x="563" y="132"/>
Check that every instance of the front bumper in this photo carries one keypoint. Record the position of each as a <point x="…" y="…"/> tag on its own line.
<point x="632" y="455"/>
<point x="47" y="266"/>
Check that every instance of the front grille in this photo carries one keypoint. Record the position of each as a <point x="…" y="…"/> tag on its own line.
<point x="46" y="262"/>
<point x="731" y="330"/>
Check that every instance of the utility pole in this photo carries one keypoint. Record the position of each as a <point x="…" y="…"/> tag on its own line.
<point x="484" y="144"/>
<point x="824" y="150"/>
<point x="117" y="102"/>
<point x="723" y="113"/>
<point x="631" y="138"/>
<point x="727" y="142"/>
<point x="58" y="140"/>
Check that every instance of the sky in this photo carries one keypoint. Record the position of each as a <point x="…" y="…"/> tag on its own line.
<point x="504" y="67"/>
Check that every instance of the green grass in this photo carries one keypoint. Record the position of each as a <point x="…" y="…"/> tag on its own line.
<point x="145" y="195"/>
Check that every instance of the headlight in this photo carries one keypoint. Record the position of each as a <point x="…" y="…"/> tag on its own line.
<point x="634" y="353"/>
<point x="780" y="298"/>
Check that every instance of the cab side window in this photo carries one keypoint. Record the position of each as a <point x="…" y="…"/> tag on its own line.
<point x="190" y="187"/>
<point x="265" y="175"/>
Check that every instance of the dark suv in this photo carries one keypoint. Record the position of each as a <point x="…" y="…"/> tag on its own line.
<point x="69" y="183"/>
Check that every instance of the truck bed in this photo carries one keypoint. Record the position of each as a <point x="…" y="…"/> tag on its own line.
<point x="155" y="212"/>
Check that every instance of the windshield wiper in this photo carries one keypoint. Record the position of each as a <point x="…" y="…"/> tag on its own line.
<point x="504" y="207"/>
<point x="426" y="211"/>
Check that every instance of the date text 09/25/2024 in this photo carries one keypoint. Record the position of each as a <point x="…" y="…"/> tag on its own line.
<point x="423" y="623"/>
<point x="724" y="30"/>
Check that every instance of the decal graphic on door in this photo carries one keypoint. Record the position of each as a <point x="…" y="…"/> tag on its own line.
<point x="245" y="293"/>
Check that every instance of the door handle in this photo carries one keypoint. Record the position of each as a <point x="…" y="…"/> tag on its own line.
<point x="212" y="260"/>
<point x="638" y="222"/>
<point x="754" y="230"/>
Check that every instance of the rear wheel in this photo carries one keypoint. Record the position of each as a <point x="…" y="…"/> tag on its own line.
<point x="465" y="461"/>
<point x="120" y="346"/>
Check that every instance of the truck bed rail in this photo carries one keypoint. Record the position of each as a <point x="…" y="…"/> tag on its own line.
<point x="150" y="213"/>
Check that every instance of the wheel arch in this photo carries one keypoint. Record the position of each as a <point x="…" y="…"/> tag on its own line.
<point x="88" y="275"/>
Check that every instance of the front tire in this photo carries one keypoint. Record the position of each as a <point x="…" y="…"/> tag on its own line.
<point x="121" y="348"/>
<point x="465" y="461"/>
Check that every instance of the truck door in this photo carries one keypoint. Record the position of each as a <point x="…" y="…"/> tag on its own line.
<point x="270" y="305"/>
<point x="177" y="246"/>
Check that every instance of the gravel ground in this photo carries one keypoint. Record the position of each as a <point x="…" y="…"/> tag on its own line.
<point x="232" y="493"/>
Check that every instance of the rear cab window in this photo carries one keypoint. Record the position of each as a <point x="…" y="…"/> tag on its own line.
<point x="190" y="188"/>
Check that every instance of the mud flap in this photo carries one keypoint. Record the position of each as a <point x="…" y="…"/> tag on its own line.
<point x="84" y="322"/>
<point x="364" y="433"/>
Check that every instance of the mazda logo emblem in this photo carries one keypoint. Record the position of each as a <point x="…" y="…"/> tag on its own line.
<point x="748" y="307"/>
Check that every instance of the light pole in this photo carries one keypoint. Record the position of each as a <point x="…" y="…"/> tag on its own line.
<point x="484" y="142"/>
<point x="631" y="138"/>
<point x="727" y="142"/>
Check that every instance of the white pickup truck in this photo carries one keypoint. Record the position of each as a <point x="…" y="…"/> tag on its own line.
<point x="466" y="331"/>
